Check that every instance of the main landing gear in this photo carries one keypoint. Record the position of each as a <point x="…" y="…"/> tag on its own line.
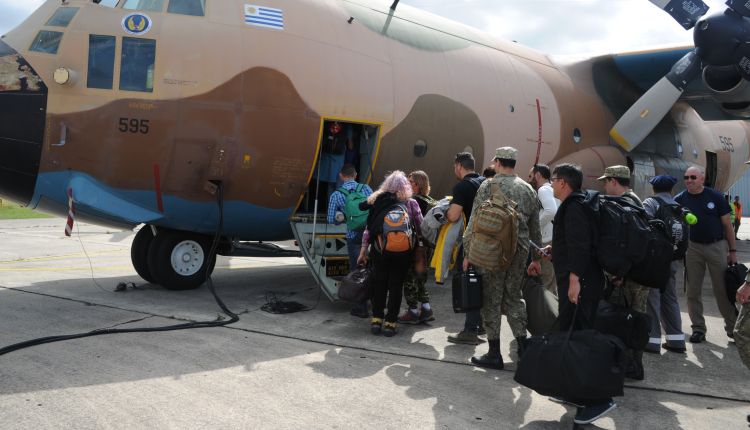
<point x="177" y="260"/>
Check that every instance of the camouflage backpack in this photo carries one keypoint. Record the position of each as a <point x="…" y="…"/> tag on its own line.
<point x="494" y="233"/>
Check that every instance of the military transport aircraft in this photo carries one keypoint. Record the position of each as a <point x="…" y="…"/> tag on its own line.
<point x="143" y="111"/>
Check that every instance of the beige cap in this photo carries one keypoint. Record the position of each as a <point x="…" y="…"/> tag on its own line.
<point x="621" y="172"/>
<point x="506" y="153"/>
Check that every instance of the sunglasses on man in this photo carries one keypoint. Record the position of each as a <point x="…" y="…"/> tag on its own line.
<point x="693" y="177"/>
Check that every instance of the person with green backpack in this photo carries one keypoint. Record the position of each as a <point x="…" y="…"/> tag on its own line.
<point x="343" y="206"/>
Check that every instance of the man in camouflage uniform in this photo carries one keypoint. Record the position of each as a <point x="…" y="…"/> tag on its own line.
<point x="617" y="183"/>
<point x="501" y="289"/>
<point x="742" y="327"/>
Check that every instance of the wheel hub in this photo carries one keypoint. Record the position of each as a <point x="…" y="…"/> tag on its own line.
<point x="187" y="258"/>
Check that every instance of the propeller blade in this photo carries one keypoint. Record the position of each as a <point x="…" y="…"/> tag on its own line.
<point x="742" y="57"/>
<point x="651" y="108"/>
<point x="685" y="12"/>
<point x="742" y="7"/>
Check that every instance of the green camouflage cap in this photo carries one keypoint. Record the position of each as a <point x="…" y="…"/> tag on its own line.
<point x="621" y="172"/>
<point x="506" y="153"/>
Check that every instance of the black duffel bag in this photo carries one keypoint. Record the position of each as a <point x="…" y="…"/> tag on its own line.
<point x="631" y="327"/>
<point x="355" y="287"/>
<point x="734" y="277"/>
<point x="581" y="365"/>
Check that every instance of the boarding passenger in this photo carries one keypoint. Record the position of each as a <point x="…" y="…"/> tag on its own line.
<point x="742" y="328"/>
<point x="501" y="289"/>
<point x="663" y="306"/>
<point x="712" y="246"/>
<point x="539" y="179"/>
<point x="580" y="279"/>
<point x="489" y="172"/>
<point x="463" y="200"/>
<point x="339" y="212"/>
<point x="389" y="267"/>
<point x="737" y="216"/>
<point x="414" y="286"/>
<point x="616" y="181"/>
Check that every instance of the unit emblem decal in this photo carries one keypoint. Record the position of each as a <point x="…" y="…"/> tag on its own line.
<point x="262" y="16"/>
<point x="136" y="24"/>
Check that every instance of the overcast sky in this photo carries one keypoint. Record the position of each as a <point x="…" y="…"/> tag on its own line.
<point x="562" y="27"/>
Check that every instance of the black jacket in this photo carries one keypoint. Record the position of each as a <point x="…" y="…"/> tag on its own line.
<point x="573" y="239"/>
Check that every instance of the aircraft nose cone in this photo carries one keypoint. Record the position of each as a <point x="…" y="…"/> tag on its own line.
<point x="23" y="105"/>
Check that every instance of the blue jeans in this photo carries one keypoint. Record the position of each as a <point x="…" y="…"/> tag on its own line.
<point x="353" y="246"/>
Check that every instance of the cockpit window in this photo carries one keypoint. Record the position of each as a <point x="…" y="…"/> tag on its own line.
<point x="147" y="5"/>
<point x="101" y="61"/>
<point x="47" y="42"/>
<point x="62" y="17"/>
<point x="187" y="7"/>
<point x="109" y="3"/>
<point x="137" y="64"/>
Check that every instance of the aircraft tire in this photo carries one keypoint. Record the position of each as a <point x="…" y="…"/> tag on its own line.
<point x="177" y="260"/>
<point x="139" y="253"/>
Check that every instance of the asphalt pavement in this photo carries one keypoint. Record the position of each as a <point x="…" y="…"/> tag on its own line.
<point x="318" y="369"/>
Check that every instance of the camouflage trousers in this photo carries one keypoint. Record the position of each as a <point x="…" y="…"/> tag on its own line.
<point x="742" y="334"/>
<point x="501" y="294"/>
<point x="633" y="295"/>
<point x="414" y="289"/>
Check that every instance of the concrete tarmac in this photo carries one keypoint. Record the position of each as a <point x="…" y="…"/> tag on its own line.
<point x="320" y="369"/>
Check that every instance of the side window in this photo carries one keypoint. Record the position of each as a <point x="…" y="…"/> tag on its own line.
<point x="109" y="3"/>
<point x="187" y="7"/>
<point x="101" y="61"/>
<point x="47" y="42"/>
<point x="137" y="64"/>
<point x="62" y="17"/>
<point x="147" y="5"/>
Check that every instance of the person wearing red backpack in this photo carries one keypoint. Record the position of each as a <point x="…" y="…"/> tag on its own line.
<point x="392" y="225"/>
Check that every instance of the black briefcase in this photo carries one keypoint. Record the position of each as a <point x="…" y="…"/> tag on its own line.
<point x="581" y="364"/>
<point x="734" y="277"/>
<point x="467" y="291"/>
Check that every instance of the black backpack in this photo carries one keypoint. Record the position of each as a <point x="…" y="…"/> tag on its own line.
<point x="629" y="245"/>
<point x="672" y="216"/>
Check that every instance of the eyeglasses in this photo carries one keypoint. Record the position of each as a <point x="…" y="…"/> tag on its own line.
<point x="693" y="177"/>
<point x="555" y="179"/>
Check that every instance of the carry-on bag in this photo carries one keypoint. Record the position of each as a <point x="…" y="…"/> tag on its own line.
<point x="355" y="287"/>
<point x="734" y="277"/>
<point x="541" y="306"/>
<point x="580" y="364"/>
<point x="467" y="291"/>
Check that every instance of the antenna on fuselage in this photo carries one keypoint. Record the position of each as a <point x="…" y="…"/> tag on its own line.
<point x="395" y="3"/>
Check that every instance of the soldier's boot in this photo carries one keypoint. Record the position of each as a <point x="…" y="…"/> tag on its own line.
<point x="491" y="360"/>
<point x="635" y="367"/>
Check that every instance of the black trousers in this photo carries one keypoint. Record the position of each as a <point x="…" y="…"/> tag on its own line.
<point x="389" y="273"/>
<point x="592" y="289"/>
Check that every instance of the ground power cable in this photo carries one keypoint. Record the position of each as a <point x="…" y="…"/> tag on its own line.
<point x="233" y="318"/>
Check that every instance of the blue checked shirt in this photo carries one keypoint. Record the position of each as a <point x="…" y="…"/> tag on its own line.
<point x="337" y="202"/>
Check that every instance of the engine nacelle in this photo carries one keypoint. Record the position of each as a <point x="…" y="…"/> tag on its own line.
<point x="729" y="88"/>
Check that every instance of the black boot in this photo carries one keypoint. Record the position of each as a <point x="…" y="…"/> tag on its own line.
<point x="491" y="360"/>
<point x="635" y="366"/>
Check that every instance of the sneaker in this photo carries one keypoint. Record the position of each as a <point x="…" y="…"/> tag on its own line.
<point x="653" y="348"/>
<point x="389" y="329"/>
<point x="589" y="414"/>
<point x="426" y="315"/>
<point x="409" y="317"/>
<point x="565" y="402"/>
<point x="697" y="337"/>
<point x="465" y="337"/>
<point x="677" y="349"/>
<point x="491" y="360"/>
<point x="376" y="325"/>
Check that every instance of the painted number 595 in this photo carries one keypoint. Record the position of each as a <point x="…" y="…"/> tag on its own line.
<point x="133" y="125"/>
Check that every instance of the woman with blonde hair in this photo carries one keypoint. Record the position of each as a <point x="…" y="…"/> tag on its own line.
<point x="392" y="251"/>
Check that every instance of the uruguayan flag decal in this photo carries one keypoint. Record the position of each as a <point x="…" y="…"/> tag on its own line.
<point x="262" y="16"/>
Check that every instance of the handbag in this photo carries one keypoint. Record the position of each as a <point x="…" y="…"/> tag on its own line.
<point x="541" y="306"/>
<point x="580" y="364"/>
<point x="356" y="286"/>
<point x="734" y="277"/>
<point x="467" y="291"/>
<point x="633" y="328"/>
